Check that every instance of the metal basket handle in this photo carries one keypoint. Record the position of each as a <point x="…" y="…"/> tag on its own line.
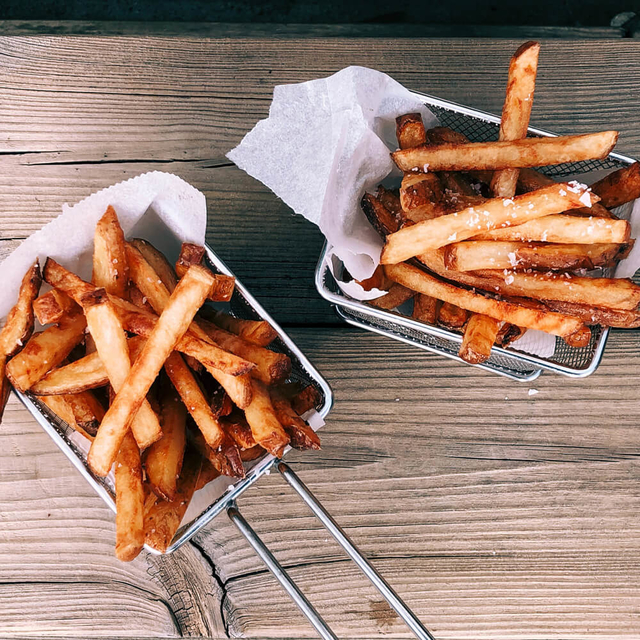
<point x="343" y="540"/>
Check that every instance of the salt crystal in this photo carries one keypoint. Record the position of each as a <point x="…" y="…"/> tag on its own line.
<point x="533" y="392"/>
<point x="506" y="202"/>
<point x="115" y="261"/>
<point x="144" y="300"/>
<point x="452" y="237"/>
<point x="544" y="236"/>
<point x="585" y="198"/>
<point x="531" y="206"/>
<point x="562" y="192"/>
<point x="509" y="279"/>
<point x="513" y="260"/>
<point x="19" y="342"/>
<point x="426" y="168"/>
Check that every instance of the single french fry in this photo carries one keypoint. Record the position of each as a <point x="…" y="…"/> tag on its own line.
<point x="45" y="350"/>
<point x="451" y="316"/>
<point x="139" y="299"/>
<point x="163" y="459"/>
<point x="223" y="285"/>
<point x="187" y="386"/>
<point x="479" y="336"/>
<point x="475" y="255"/>
<point x="252" y="454"/>
<point x="613" y="293"/>
<point x="83" y="374"/>
<point x="19" y="325"/>
<point x="59" y="406"/>
<point x="410" y="130"/>
<point x="422" y="197"/>
<point x="563" y="229"/>
<point x="271" y="367"/>
<point x="237" y="428"/>
<point x="220" y="402"/>
<point x="258" y="332"/>
<point x="597" y="315"/>
<point x="51" y="306"/>
<point x="418" y="280"/>
<point x="158" y="263"/>
<point x="516" y="111"/>
<point x="111" y="345"/>
<point x="425" y="308"/>
<point x="506" y="154"/>
<point x="301" y="434"/>
<point x="396" y="296"/>
<point x="305" y="400"/>
<point x="110" y="267"/>
<point x="262" y="419"/>
<point x="389" y="199"/>
<point x="508" y="333"/>
<point x="162" y="519"/>
<point x="226" y="459"/>
<point x="87" y="411"/>
<point x="381" y="219"/>
<point x="185" y="301"/>
<point x="498" y="212"/>
<point x="619" y="187"/>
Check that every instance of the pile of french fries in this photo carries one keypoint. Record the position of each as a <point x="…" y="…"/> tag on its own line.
<point x="167" y="388"/>
<point x="486" y="245"/>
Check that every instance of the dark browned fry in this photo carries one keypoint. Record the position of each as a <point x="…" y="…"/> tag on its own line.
<point x="619" y="187"/>
<point x="597" y="315"/>
<point x="87" y="411"/>
<point x="425" y="308"/>
<point x="451" y="316"/>
<point x="301" y="434"/>
<point x="410" y="130"/>
<point x="223" y="285"/>
<point x="262" y="419"/>
<point x="390" y="200"/>
<point x="508" y="333"/>
<point x="258" y="332"/>
<point x="396" y="296"/>
<point x="305" y="400"/>
<point x="381" y="219"/>
<point x="237" y="428"/>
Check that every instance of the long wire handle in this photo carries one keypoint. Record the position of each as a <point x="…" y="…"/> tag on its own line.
<point x="280" y="574"/>
<point x="343" y="540"/>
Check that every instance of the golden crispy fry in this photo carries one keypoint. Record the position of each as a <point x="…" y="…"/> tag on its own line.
<point x="87" y="411"/>
<point x="410" y="130"/>
<point x="185" y="301"/>
<point x="271" y="367"/>
<point x="529" y="152"/>
<point x="71" y="284"/>
<point x="19" y="325"/>
<point x="146" y="279"/>
<point x="381" y="219"/>
<point x="564" y="229"/>
<point x="83" y="374"/>
<point x="158" y="263"/>
<point x="258" y="332"/>
<point x="44" y="351"/>
<point x="237" y="428"/>
<point x="262" y="419"/>
<point x="195" y="402"/>
<point x="162" y="519"/>
<point x="301" y="434"/>
<point x="516" y="110"/>
<point x="479" y="336"/>
<point x="619" y="187"/>
<point x="110" y="268"/>
<point x="498" y="212"/>
<point x="111" y="345"/>
<point x="163" y="459"/>
<point x="475" y="255"/>
<point x="396" y="296"/>
<point x="614" y="293"/>
<point x="51" y="306"/>
<point x="597" y="315"/>
<point x="425" y="308"/>
<point x="223" y="286"/>
<point x="418" y="280"/>
<point x="451" y="316"/>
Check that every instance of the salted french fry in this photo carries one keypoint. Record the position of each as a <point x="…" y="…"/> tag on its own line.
<point x="45" y="350"/>
<point x="111" y="345"/>
<point x="189" y="390"/>
<point x="258" y="332"/>
<point x="516" y="111"/>
<point x="563" y="229"/>
<point x="389" y="199"/>
<point x="110" y="268"/>
<point x="223" y="286"/>
<point x="139" y="299"/>
<point x="498" y="212"/>
<point x="505" y="154"/>
<point x="451" y="316"/>
<point x="479" y="336"/>
<point x="162" y="519"/>
<point x="19" y="325"/>
<point x="237" y="428"/>
<point x="597" y="315"/>
<point x="619" y="187"/>
<point x="418" y="280"/>
<point x="158" y="263"/>
<point x="261" y="416"/>
<point x="410" y="130"/>
<point x="475" y="255"/>
<point x="87" y="411"/>
<point x="271" y="367"/>
<point x="83" y="374"/>
<point x="187" y="298"/>
<point x="425" y="308"/>
<point x="422" y="197"/>
<point x="396" y="296"/>
<point x="51" y="306"/>
<point x="381" y="219"/>
<point x="301" y="434"/>
<point x="163" y="459"/>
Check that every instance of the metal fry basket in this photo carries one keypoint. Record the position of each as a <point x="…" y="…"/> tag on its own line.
<point x="243" y="305"/>
<point x="478" y="126"/>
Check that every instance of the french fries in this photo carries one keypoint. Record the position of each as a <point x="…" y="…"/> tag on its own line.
<point x="158" y="262"/>
<point x="110" y="266"/>
<point x="265" y="426"/>
<point x="382" y="220"/>
<point x="301" y="435"/>
<point x="51" y="306"/>
<point x="425" y="308"/>
<point x="498" y="212"/>
<point x="87" y="411"/>
<point x="223" y="286"/>
<point x="619" y="187"/>
<point x="513" y="154"/>
<point x="451" y="316"/>
<point x="396" y="296"/>
<point x="258" y="332"/>
<point x="479" y="336"/>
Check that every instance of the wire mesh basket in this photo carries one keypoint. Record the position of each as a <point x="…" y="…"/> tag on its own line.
<point x="478" y="126"/>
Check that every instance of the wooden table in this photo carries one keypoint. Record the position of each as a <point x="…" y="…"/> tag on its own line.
<point x="493" y="512"/>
